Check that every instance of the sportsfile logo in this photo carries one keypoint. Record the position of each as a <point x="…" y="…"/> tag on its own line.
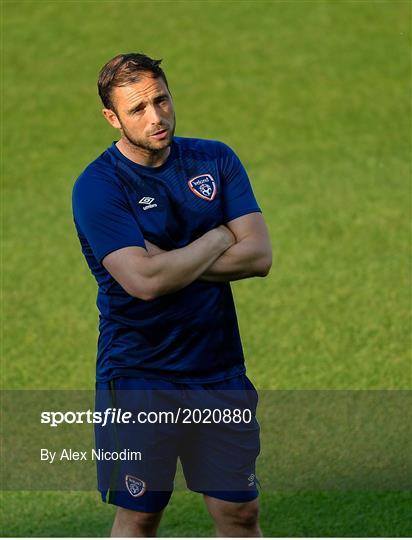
<point x="147" y="201"/>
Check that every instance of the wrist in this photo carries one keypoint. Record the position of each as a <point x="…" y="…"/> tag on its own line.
<point x="223" y="237"/>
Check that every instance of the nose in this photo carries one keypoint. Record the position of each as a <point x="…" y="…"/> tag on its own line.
<point x="154" y="115"/>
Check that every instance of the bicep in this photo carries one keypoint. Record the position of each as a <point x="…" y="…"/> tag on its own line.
<point x="251" y="227"/>
<point x="252" y="246"/>
<point x="129" y="266"/>
<point x="103" y="216"/>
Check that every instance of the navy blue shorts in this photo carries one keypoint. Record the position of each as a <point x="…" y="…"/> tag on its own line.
<point x="211" y="428"/>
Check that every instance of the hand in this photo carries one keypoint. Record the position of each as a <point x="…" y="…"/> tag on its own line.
<point x="152" y="249"/>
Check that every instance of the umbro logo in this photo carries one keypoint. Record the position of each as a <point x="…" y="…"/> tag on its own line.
<point x="147" y="202"/>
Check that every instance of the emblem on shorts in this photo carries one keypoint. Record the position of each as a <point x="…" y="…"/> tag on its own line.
<point x="203" y="186"/>
<point x="135" y="486"/>
<point x="251" y="480"/>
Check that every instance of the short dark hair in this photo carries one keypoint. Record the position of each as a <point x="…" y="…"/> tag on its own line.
<point x="125" y="69"/>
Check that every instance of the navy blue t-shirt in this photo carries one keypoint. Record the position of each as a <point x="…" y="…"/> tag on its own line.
<point x="190" y="335"/>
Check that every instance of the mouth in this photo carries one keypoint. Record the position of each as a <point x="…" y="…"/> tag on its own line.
<point x="160" y="134"/>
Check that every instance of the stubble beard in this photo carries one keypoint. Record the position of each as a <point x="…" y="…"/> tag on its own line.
<point x="146" y="144"/>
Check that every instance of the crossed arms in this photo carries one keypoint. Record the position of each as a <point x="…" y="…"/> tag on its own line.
<point x="237" y="250"/>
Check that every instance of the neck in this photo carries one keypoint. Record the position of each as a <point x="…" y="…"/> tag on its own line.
<point x="142" y="156"/>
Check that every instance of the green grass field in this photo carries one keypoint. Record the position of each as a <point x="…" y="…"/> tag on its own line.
<point x="314" y="96"/>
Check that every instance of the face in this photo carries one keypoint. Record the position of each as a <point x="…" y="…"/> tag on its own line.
<point x="144" y="113"/>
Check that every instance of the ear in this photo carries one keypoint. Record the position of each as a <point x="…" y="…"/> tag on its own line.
<point x="111" y="117"/>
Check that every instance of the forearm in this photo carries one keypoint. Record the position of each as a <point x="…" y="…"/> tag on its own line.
<point x="244" y="259"/>
<point x="250" y="253"/>
<point x="170" y="271"/>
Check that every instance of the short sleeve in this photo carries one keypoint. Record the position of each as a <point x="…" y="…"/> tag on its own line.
<point x="102" y="213"/>
<point x="237" y="194"/>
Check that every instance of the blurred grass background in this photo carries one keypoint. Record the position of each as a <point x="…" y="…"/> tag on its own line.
<point x="314" y="96"/>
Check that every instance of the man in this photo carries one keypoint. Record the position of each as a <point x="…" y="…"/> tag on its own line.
<point x="165" y="223"/>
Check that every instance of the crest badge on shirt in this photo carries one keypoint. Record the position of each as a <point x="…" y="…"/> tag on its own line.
<point x="204" y="186"/>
